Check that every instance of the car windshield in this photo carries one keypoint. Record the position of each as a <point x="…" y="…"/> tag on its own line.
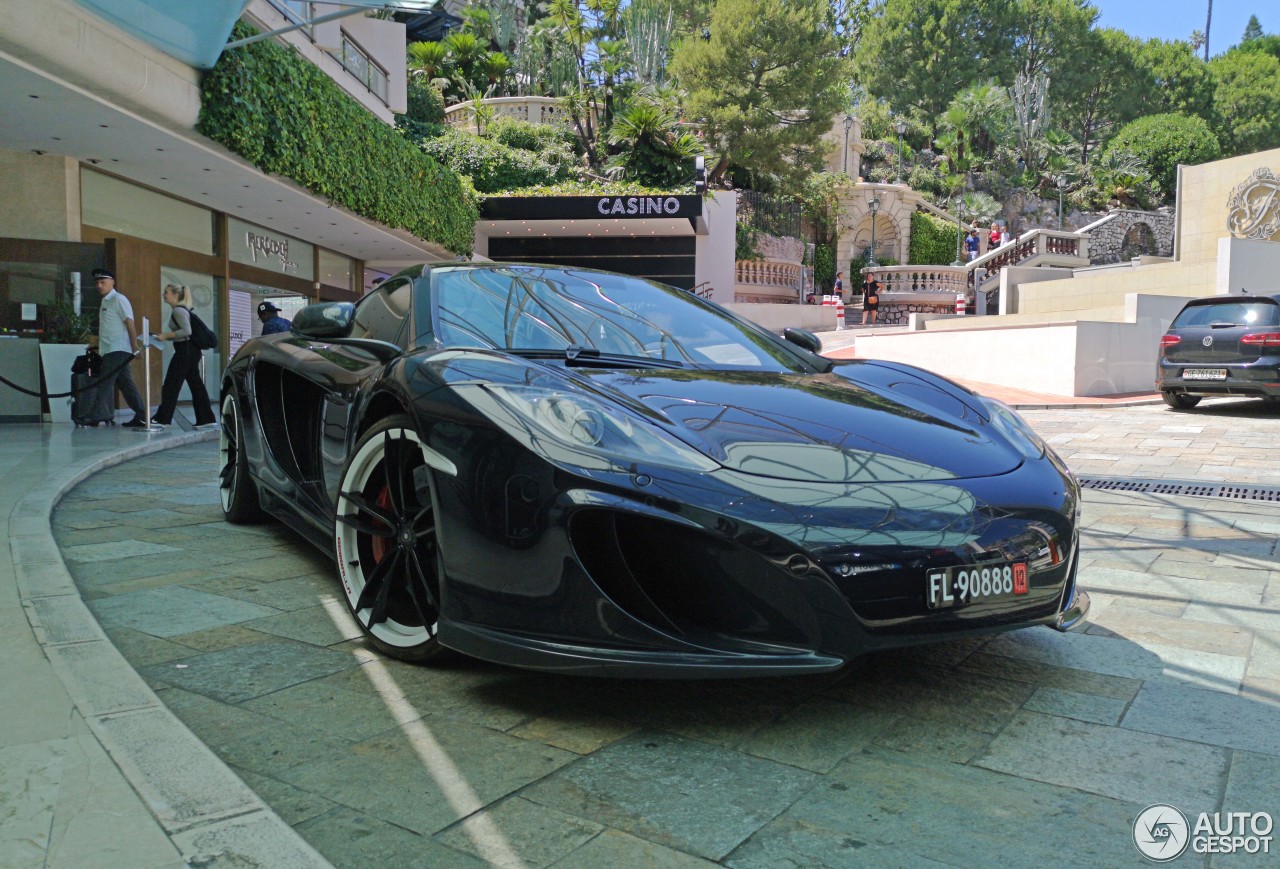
<point x="539" y="311"/>
<point x="1229" y="314"/>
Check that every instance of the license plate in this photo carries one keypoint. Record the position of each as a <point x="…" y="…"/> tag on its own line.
<point x="1204" y="374"/>
<point x="957" y="586"/>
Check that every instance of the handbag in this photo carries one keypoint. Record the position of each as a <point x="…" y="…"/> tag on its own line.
<point x="873" y="299"/>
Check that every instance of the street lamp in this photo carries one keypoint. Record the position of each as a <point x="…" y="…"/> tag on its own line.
<point x="848" y="125"/>
<point x="874" y="205"/>
<point x="1061" y="183"/>
<point x="959" y="230"/>
<point x="901" y="127"/>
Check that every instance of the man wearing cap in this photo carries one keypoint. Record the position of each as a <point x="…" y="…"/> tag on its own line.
<point x="117" y="341"/>
<point x="272" y="322"/>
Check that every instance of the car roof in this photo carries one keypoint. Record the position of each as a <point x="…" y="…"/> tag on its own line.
<point x="1273" y="298"/>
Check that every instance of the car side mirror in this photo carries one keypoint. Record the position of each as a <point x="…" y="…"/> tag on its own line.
<point x="324" y="320"/>
<point x="803" y="338"/>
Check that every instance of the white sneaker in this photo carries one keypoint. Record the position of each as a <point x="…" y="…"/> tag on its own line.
<point x="204" y="425"/>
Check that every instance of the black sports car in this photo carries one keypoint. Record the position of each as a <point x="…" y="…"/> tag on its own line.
<point x="581" y="471"/>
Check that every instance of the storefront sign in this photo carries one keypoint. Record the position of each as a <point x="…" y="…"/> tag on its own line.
<point x="590" y="207"/>
<point x="261" y="248"/>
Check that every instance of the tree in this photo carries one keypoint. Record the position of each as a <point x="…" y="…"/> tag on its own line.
<point x="1162" y="142"/>
<point x="1246" y="98"/>
<point x="1252" y="30"/>
<point x="1049" y="36"/>
<point x="918" y="54"/>
<point x="649" y="148"/>
<point x="1173" y="80"/>
<point x="1106" y="93"/>
<point x="766" y="84"/>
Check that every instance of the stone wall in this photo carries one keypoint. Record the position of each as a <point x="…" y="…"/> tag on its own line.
<point x="1132" y="233"/>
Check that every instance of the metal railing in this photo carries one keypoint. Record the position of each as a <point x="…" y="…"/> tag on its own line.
<point x="772" y="214"/>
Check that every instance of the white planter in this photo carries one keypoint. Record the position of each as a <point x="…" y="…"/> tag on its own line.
<point x="56" y="360"/>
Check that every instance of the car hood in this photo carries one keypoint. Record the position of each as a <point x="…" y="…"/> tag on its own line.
<point x="856" y="424"/>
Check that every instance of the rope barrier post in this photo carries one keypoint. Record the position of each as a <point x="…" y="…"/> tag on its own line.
<point x="146" y="377"/>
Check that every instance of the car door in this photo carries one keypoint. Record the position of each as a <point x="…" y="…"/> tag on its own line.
<point x="384" y="314"/>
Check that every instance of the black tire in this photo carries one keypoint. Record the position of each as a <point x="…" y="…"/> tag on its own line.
<point x="1180" y="400"/>
<point x="385" y="542"/>
<point x="240" y="504"/>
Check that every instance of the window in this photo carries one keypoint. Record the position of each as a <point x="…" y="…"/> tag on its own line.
<point x="381" y="314"/>
<point x="358" y="63"/>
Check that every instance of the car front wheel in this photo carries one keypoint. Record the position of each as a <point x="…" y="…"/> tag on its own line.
<point x="385" y="541"/>
<point x="1180" y="400"/>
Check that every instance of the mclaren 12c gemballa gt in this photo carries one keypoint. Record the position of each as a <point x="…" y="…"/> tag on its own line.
<point x="585" y="472"/>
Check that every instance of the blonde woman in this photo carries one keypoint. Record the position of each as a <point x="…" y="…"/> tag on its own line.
<point x="185" y="365"/>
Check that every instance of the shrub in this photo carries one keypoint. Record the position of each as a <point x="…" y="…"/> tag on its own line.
<point x="493" y="167"/>
<point x="525" y="136"/>
<point x="824" y="266"/>
<point x="1161" y="142"/>
<point x="933" y="240"/>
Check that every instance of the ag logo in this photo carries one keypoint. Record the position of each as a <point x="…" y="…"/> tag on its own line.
<point x="1161" y="833"/>
<point x="1207" y="341"/>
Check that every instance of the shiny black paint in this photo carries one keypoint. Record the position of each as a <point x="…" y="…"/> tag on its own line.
<point x="938" y="486"/>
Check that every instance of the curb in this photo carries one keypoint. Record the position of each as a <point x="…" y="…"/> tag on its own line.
<point x="208" y="813"/>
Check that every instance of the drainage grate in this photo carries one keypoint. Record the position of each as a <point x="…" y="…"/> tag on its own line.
<point x="1234" y="491"/>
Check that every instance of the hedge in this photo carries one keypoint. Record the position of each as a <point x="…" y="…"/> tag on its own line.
<point x="933" y="240"/>
<point x="288" y="118"/>
<point x="494" y="167"/>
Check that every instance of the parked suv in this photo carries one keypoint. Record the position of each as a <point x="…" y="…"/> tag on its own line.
<point x="1222" y="345"/>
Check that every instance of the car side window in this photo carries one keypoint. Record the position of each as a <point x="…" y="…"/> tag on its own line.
<point x="383" y="312"/>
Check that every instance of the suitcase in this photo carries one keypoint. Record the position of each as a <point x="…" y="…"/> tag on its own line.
<point x="91" y="403"/>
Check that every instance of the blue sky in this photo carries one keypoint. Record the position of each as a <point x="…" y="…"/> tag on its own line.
<point x="1175" y="19"/>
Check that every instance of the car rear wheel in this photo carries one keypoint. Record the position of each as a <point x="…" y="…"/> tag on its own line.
<point x="238" y="493"/>
<point x="1180" y="400"/>
<point x="385" y="542"/>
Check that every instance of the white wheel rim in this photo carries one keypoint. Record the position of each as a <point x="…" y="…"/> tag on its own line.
<point x="353" y="548"/>
<point x="228" y="447"/>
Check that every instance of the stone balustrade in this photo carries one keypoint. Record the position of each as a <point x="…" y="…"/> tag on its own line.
<point x="534" y="110"/>
<point x="895" y="280"/>
<point x="766" y="280"/>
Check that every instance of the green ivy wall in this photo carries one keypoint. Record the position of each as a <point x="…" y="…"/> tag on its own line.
<point x="288" y="118"/>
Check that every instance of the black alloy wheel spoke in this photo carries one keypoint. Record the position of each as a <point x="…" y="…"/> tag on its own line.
<point x="373" y="527"/>
<point x="394" y="560"/>
<point x="427" y="621"/>
<point x="228" y="471"/>
<point x="394" y="466"/>
<point x="424" y="513"/>
<point x="417" y="572"/>
<point x="375" y="581"/>
<point x="364" y="505"/>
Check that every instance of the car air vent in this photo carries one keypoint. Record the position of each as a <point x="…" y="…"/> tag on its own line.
<point x="1233" y="491"/>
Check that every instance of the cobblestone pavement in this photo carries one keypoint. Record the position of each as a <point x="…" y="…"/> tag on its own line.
<point x="1029" y="748"/>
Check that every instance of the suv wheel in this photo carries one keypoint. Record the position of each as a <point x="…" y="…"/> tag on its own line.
<point x="1180" y="400"/>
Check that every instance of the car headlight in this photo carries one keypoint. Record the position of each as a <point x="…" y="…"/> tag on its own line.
<point x="1014" y="429"/>
<point x="577" y="429"/>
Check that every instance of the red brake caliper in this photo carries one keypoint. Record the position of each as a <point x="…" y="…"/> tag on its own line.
<point x="380" y="545"/>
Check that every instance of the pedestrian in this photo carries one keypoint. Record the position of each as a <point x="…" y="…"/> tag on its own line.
<point x="117" y="342"/>
<point x="1004" y="235"/>
<point x="971" y="244"/>
<point x="870" y="298"/>
<point x="811" y="299"/>
<point x="185" y="365"/>
<point x="993" y="241"/>
<point x="272" y="322"/>
<point x="838" y="289"/>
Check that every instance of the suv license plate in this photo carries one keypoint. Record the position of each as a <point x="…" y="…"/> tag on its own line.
<point x="1204" y="374"/>
<point x="954" y="586"/>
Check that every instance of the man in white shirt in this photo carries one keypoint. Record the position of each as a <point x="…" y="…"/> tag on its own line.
<point x="117" y="339"/>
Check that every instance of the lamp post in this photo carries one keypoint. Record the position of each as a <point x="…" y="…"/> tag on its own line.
<point x="874" y="205"/>
<point x="1061" y="183"/>
<point x="959" y="231"/>
<point x="901" y="127"/>
<point x="848" y="125"/>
